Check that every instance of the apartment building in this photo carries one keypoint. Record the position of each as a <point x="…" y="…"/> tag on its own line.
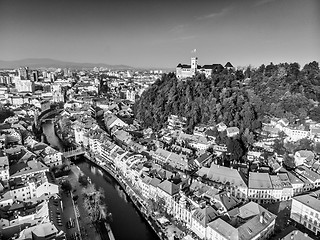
<point x="249" y="222"/>
<point x="260" y="188"/>
<point x="228" y="178"/>
<point x="305" y="209"/>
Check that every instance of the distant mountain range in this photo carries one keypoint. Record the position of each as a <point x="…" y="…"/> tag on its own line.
<point x="51" y="63"/>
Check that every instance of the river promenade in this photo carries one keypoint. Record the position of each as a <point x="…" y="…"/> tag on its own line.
<point x="163" y="233"/>
<point x="138" y="202"/>
<point x="74" y="209"/>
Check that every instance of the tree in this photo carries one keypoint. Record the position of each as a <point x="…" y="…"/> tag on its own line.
<point x="278" y="146"/>
<point x="93" y="203"/>
<point x="304" y="144"/>
<point x="235" y="148"/>
<point x="66" y="186"/>
<point x="317" y="148"/>
<point x="315" y="114"/>
<point x="83" y="180"/>
<point x="289" y="161"/>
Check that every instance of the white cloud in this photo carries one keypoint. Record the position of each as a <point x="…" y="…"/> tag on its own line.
<point x="263" y="2"/>
<point x="220" y="13"/>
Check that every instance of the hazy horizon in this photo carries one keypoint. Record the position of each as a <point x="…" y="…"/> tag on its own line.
<point x="152" y="33"/>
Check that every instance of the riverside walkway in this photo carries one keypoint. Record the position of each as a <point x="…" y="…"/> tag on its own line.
<point x="132" y="194"/>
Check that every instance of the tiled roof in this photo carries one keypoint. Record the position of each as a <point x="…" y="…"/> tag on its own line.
<point x="205" y="215"/>
<point x="259" y="180"/>
<point x="250" y="225"/>
<point x="276" y="182"/>
<point x="228" y="64"/>
<point x="296" y="235"/>
<point x="169" y="187"/>
<point x="222" y="175"/>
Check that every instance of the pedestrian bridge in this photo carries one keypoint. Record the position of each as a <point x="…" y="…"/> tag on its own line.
<point x="74" y="152"/>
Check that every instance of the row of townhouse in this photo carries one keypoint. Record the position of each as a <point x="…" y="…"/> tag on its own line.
<point x="27" y="189"/>
<point x="261" y="187"/>
<point x="39" y="186"/>
<point x="162" y="157"/>
<point x="40" y="217"/>
<point x="250" y="221"/>
<point x="227" y="178"/>
<point x="293" y="133"/>
<point x="196" y="214"/>
<point x="265" y="188"/>
<point x="50" y="156"/>
<point x="195" y="141"/>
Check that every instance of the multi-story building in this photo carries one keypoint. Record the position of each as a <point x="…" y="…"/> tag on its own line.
<point x="107" y="148"/>
<point x="305" y="209"/>
<point x="25" y="86"/>
<point x="249" y="222"/>
<point x="112" y="120"/>
<point x="297" y="183"/>
<point x="287" y="192"/>
<point x="153" y="188"/>
<point x="57" y="93"/>
<point x="42" y="184"/>
<point x="295" y="134"/>
<point x="176" y="122"/>
<point x="296" y="235"/>
<point x="201" y="217"/>
<point x="4" y="168"/>
<point x="182" y="210"/>
<point x="260" y="187"/>
<point x="145" y="185"/>
<point x="187" y="71"/>
<point x="177" y="161"/>
<point x="277" y="188"/>
<point x="307" y="173"/>
<point x="23" y="73"/>
<point x="227" y="178"/>
<point x="167" y="191"/>
<point x="51" y="157"/>
<point x="6" y="199"/>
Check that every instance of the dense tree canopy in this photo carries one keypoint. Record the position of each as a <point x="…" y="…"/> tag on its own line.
<point x="282" y="90"/>
<point x="237" y="98"/>
<point x="200" y="100"/>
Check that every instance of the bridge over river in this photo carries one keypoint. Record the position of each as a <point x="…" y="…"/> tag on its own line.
<point x="74" y="152"/>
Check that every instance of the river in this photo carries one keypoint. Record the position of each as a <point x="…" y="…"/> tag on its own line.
<point x="127" y="222"/>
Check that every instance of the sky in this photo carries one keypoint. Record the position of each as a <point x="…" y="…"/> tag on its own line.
<point x="161" y="33"/>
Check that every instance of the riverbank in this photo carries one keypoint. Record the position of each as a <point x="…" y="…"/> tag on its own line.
<point x="138" y="203"/>
<point x="75" y="209"/>
<point x="134" y="197"/>
<point x="88" y="230"/>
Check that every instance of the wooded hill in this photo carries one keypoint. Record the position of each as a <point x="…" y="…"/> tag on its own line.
<point x="238" y="98"/>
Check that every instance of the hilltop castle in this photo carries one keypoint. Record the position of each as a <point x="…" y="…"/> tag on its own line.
<point x="185" y="70"/>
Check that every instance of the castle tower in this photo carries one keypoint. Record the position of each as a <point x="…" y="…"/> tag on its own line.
<point x="194" y="65"/>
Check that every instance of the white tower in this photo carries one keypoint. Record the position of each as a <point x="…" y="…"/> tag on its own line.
<point x="194" y="64"/>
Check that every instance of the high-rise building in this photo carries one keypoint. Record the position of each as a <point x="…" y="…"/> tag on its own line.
<point x="57" y="93"/>
<point x="35" y="76"/>
<point x="23" y="73"/>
